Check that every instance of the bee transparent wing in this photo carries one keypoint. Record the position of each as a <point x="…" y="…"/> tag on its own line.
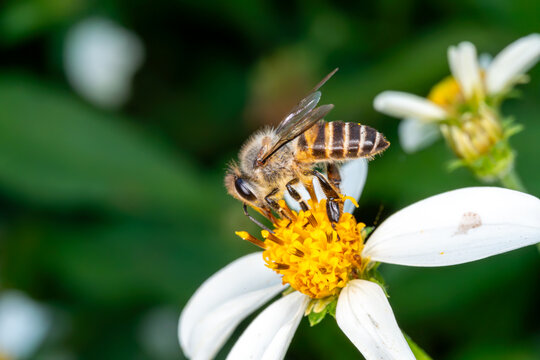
<point x="293" y="129"/>
<point x="303" y="116"/>
<point x="305" y="105"/>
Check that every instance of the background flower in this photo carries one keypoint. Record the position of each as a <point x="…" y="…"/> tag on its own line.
<point x="465" y="108"/>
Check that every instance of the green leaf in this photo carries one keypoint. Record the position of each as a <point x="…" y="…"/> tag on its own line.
<point x="56" y="150"/>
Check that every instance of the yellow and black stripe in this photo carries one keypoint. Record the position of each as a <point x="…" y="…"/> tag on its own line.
<point x="338" y="141"/>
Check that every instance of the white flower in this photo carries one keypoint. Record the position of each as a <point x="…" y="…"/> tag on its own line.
<point x="450" y="228"/>
<point x="100" y="58"/>
<point x="23" y="325"/>
<point x="421" y="116"/>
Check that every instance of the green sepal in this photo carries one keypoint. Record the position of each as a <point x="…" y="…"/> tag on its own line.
<point x="372" y="274"/>
<point x="510" y="128"/>
<point x="288" y="291"/>
<point x="316" y="317"/>
<point x="366" y="231"/>
<point x="455" y="164"/>
<point x="417" y="351"/>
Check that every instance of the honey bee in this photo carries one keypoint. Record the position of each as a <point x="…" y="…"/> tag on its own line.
<point x="276" y="159"/>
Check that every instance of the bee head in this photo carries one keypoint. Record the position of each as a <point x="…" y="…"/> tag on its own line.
<point x="239" y="186"/>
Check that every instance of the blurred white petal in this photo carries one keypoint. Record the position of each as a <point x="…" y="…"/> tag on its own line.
<point x="24" y="324"/>
<point x="222" y="302"/>
<point x="415" y="135"/>
<point x="270" y="334"/>
<point x="513" y="61"/>
<point x="353" y="178"/>
<point x="457" y="227"/>
<point x="100" y="59"/>
<point x="365" y="316"/>
<point x="405" y="105"/>
<point x="484" y="60"/>
<point x="463" y="63"/>
<point x="157" y="332"/>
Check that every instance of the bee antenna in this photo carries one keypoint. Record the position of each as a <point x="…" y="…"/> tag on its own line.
<point x="257" y="222"/>
<point x="323" y="81"/>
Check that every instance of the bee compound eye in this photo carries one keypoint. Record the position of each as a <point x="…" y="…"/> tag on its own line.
<point x="243" y="189"/>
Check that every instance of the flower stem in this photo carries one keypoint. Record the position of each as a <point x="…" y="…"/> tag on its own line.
<point x="511" y="180"/>
<point x="418" y="352"/>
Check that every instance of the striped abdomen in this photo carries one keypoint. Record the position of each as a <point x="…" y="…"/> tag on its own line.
<point x="339" y="140"/>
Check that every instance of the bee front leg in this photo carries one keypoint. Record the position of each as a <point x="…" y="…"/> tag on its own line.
<point x="255" y="221"/>
<point x="274" y="205"/>
<point x="334" y="207"/>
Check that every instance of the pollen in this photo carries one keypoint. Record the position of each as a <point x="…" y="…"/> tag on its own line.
<point x="318" y="257"/>
<point x="446" y="93"/>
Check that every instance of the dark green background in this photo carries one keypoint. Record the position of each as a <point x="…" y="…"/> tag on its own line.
<point x="114" y="218"/>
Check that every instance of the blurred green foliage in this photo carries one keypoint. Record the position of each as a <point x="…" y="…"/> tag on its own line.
<point x="108" y="215"/>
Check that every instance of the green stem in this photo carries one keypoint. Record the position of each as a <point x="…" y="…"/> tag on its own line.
<point x="418" y="352"/>
<point x="511" y="180"/>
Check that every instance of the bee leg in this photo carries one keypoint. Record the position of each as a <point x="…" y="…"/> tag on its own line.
<point x="334" y="208"/>
<point x="295" y="195"/>
<point x="257" y="222"/>
<point x="334" y="177"/>
<point x="274" y="204"/>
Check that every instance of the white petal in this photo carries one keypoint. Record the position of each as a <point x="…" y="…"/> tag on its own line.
<point x="24" y="324"/>
<point x="222" y="302"/>
<point x="365" y="316"/>
<point x="463" y="63"/>
<point x="403" y="105"/>
<point x="457" y="227"/>
<point x="353" y="178"/>
<point x="416" y="135"/>
<point x="271" y="333"/>
<point x="100" y="59"/>
<point x="484" y="60"/>
<point x="513" y="61"/>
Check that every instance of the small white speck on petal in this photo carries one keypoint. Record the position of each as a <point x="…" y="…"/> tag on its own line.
<point x="464" y="66"/>
<point x="415" y="135"/>
<point x="24" y="324"/>
<point x="457" y="227"/>
<point x="270" y="334"/>
<point x="100" y="59"/>
<point x="222" y="302"/>
<point x="405" y="105"/>
<point x="513" y="61"/>
<point x="365" y="316"/>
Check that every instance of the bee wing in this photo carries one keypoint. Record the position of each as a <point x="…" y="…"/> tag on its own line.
<point x="305" y="106"/>
<point x="293" y="129"/>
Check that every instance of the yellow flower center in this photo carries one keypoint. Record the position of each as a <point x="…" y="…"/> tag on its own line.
<point x="446" y="93"/>
<point x="313" y="255"/>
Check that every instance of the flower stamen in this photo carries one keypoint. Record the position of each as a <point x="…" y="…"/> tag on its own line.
<point x="314" y="255"/>
<point x="244" y="235"/>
